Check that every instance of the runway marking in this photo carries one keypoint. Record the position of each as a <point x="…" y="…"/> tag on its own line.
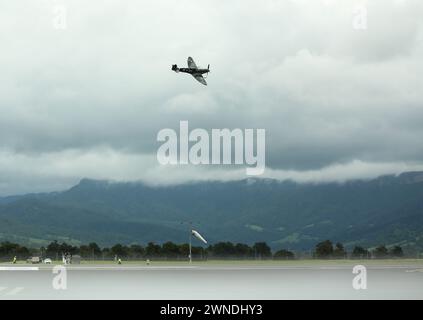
<point x="223" y="269"/>
<point x="15" y="291"/>
<point x="19" y="268"/>
<point x="200" y="268"/>
<point x="12" y="292"/>
<point x="99" y="268"/>
<point x="416" y="270"/>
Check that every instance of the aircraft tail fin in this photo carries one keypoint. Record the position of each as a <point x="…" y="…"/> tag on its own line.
<point x="175" y="68"/>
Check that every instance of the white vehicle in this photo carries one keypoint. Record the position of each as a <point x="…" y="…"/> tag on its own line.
<point x="35" y="260"/>
<point x="47" y="261"/>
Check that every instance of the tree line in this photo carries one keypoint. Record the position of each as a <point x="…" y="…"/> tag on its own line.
<point x="327" y="250"/>
<point x="169" y="250"/>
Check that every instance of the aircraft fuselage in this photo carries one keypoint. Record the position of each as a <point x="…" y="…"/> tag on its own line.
<point x="193" y="71"/>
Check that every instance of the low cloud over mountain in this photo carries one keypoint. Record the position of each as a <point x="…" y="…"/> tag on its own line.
<point x="88" y="100"/>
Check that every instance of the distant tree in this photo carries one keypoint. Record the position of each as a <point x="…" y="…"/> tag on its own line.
<point x="67" y="248"/>
<point x="324" y="250"/>
<point x="243" y="250"/>
<point x="9" y="249"/>
<point x="381" y="252"/>
<point x="284" y="255"/>
<point x="170" y="249"/>
<point x="339" y="251"/>
<point x="197" y="252"/>
<point x="90" y="251"/>
<point x="184" y="249"/>
<point x="106" y="252"/>
<point x="23" y="252"/>
<point x="53" y="250"/>
<point x="136" y="251"/>
<point x="359" y="253"/>
<point x="152" y="250"/>
<point x="95" y="249"/>
<point x="119" y="250"/>
<point x="222" y="249"/>
<point x="396" y="252"/>
<point x="42" y="251"/>
<point x="262" y="250"/>
<point x="85" y="251"/>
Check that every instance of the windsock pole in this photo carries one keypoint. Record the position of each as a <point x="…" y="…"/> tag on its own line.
<point x="190" y="241"/>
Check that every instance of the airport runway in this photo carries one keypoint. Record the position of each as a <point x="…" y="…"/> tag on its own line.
<point x="210" y="282"/>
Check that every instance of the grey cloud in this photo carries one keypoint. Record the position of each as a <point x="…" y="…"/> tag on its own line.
<point x="326" y="94"/>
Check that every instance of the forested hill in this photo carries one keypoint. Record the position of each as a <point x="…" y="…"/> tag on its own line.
<point x="387" y="210"/>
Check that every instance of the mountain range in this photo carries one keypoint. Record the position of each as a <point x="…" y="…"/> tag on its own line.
<point x="386" y="210"/>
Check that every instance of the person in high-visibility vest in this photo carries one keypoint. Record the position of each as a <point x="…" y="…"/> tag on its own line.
<point x="14" y="260"/>
<point x="119" y="261"/>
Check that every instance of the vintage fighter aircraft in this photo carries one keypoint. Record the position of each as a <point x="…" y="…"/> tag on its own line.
<point x="193" y="70"/>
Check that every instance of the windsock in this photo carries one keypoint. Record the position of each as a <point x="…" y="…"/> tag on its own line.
<point x="198" y="236"/>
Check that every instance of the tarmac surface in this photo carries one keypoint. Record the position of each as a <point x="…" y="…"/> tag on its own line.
<point x="209" y="281"/>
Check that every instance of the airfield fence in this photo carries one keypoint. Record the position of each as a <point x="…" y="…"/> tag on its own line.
<point x="304" y="256"/>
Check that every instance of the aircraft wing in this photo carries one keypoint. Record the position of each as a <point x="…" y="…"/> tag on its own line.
<point x="191" y="63"/>
<point x="200" y="78"/>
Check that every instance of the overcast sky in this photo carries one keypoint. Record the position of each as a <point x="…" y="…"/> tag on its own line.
<point x="88" y="100"/>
